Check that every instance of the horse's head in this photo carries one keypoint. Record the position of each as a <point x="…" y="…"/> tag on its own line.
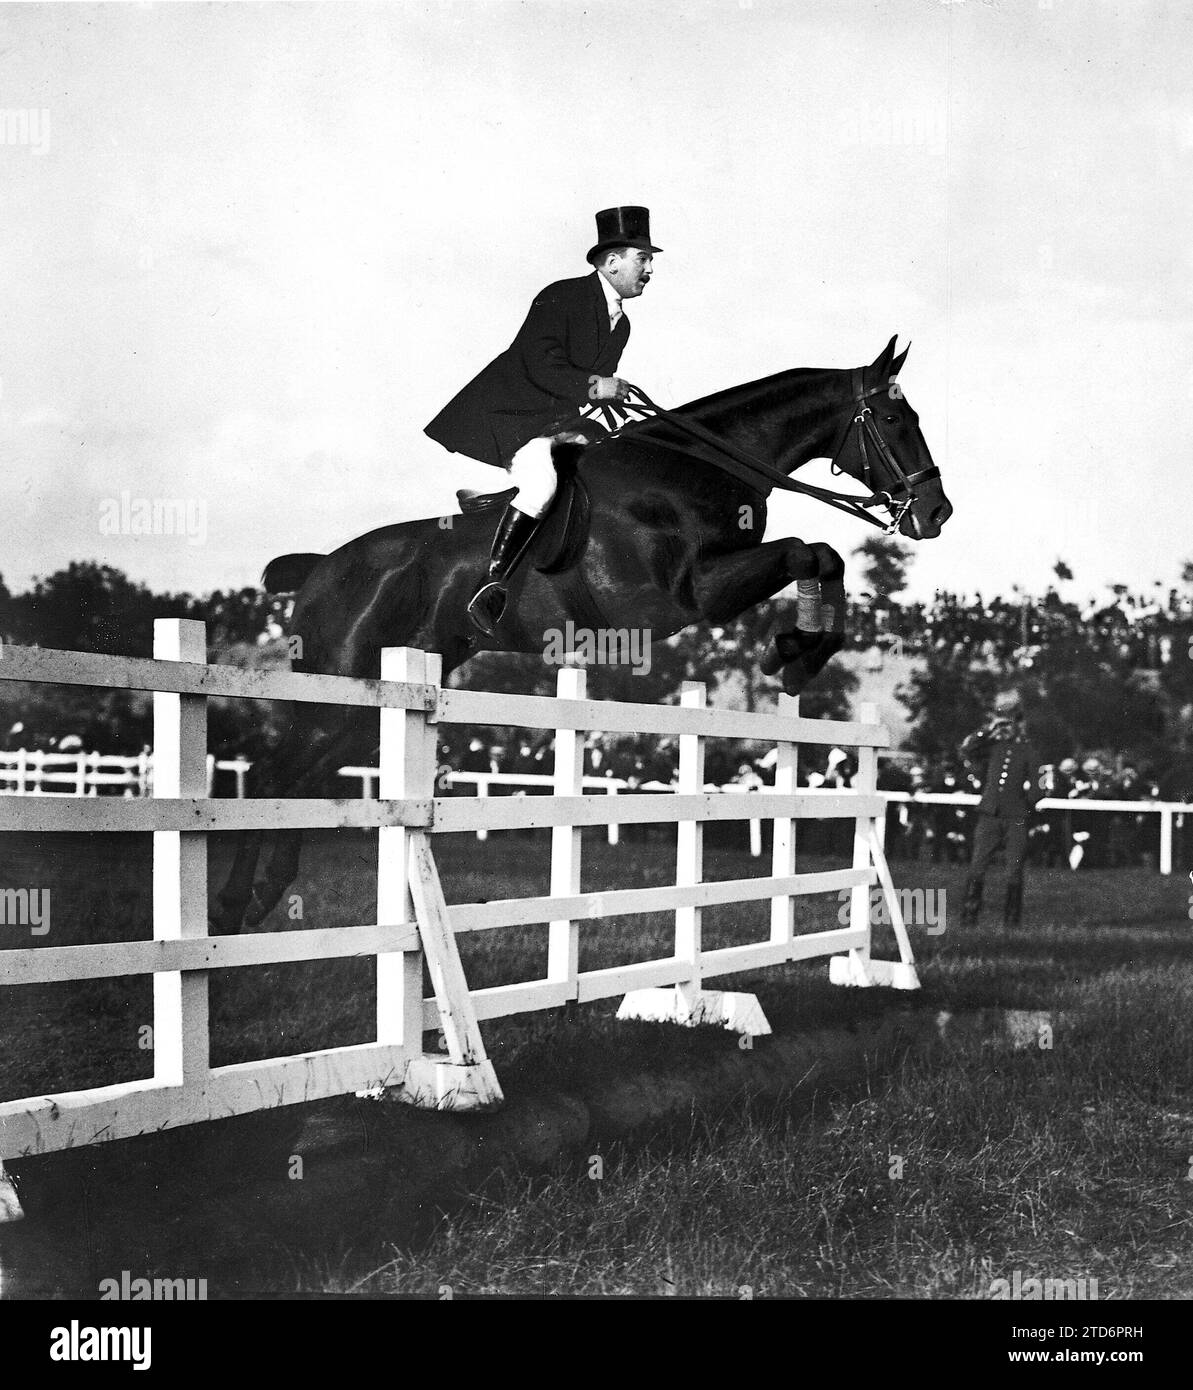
<point x="880" y="444"/>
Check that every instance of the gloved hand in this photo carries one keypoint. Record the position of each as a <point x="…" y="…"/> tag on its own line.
<point x="607" y="388"/>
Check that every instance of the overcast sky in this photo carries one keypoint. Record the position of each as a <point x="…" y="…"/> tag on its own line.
<point x="252" y="250"/>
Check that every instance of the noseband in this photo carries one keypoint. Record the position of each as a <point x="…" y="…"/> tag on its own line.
<point x="762" y="476"/>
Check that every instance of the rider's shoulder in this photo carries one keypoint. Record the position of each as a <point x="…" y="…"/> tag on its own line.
<point x="562" y="290"/>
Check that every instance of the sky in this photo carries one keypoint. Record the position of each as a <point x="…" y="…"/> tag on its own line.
<point x="248" y="251"/>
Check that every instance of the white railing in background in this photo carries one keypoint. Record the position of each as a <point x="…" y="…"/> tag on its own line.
<point x="34" y="773"/>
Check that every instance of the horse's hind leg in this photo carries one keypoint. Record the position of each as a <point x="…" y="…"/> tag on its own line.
<point x="271" y="775"/>
<point x="282" y="869"/>
<point x="233" y="897"/>
<point x="280" y="873"/>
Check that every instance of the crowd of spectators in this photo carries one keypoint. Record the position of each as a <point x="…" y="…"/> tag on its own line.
<point x="1142" y="629"/>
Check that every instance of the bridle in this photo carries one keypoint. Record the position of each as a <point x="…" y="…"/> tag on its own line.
<point x="867" y="429"/>
<point x="756" y="473"/>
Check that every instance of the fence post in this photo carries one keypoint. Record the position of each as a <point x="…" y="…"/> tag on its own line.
<point x="614" y="828"/>
<point x="688" y="1002"/>
<point x="782" y="909"/>
<point x="407" y="770"/>
<point x="22" y="769"/>
<point x="563" y="937"/>
<point x="689" y="844"/>
<point x="858" y="968"/>
<point x="465" y="1079"/>
<point x="854" y="969"/>
<point x="181" y="1036"/>
<point x="865" y="782"/>
<point x="81" y="775"/>
<point x="1166" y="840"/>
<point x="482" y="789"/>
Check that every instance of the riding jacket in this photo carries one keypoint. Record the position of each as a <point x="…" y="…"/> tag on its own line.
<point x="541" y="380"/>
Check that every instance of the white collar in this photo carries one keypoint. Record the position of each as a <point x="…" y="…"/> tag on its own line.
<point x="612" y="298"/>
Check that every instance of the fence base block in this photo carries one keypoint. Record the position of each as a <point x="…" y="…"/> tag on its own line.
<point x="738" y="1013"/>
<point x="10" y="1205"/>
<point x="433" y="1084"/>
<point x="852" y="970"/>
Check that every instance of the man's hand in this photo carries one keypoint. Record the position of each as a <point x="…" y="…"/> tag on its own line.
<point x="607" y="388"/>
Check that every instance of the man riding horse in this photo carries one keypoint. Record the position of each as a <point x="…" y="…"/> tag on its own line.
<point x="529" y="398"/>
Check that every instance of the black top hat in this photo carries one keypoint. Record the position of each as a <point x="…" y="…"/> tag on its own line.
<point x="622" y="227"/>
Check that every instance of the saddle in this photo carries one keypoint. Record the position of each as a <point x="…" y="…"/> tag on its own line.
<point x="563" y="531"/>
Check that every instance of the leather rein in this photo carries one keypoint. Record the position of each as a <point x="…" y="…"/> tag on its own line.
<point x="756" y="473"/>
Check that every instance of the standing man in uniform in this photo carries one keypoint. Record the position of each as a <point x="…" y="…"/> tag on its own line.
<point x="529" y="397"/>
<point x="1009" y="794"/>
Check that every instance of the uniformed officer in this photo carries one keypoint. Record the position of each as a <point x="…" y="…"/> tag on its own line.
<point x="1010" y="791"/>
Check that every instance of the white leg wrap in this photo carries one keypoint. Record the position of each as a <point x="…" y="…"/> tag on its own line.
<point x="533" y="474"/>
<point x="807" y="605"/>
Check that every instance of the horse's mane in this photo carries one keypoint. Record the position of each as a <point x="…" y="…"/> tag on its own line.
<point x="737" y="396"/>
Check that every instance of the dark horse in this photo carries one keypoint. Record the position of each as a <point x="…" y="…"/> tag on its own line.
<point x="666" y="538"/>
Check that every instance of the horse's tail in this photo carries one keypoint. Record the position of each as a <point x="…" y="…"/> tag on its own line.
<point x="288" y="573"/>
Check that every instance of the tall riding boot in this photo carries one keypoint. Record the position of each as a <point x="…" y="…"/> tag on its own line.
<point x="515" y="531"/>
<point x="972" y="904"/>
<point x="1012" y="908"/>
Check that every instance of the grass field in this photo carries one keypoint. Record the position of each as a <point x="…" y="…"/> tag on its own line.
<point x="959" y="1166"/>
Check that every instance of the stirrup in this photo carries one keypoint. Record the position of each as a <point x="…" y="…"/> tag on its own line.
<point x="480" y="607"/>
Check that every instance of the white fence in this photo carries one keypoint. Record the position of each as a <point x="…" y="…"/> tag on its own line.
<point x="414" y="922"/>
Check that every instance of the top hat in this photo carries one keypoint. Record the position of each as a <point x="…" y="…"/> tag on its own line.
<point x="622" y="227"/>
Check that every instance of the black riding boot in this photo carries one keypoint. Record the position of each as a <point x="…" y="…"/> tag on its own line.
<point x="1012" y="908"/>
<point x="515" y="531"/>
<point x="972" y="904"/>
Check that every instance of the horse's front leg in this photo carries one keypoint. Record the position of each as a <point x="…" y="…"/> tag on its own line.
<point x="804" y="654"/>
<point x="727" y="585"/>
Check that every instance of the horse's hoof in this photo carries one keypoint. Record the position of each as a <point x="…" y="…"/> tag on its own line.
<point x="772" y="663"/>
<point x="795" y="678"/>
<point x="222" y="920"/>
<point x="257" y="911"/>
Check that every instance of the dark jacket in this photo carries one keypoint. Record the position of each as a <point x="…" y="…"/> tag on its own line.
<point x="540" y="380"/>
<point x="1009" y="775"/>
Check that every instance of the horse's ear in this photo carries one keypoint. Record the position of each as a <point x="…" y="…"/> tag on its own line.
<point x="897" y="362"/>
<point x="882" y="363"/>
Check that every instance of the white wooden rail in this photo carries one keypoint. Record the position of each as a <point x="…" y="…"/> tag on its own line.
<point x="415" y="923"/>
<point x="31" y="772"/>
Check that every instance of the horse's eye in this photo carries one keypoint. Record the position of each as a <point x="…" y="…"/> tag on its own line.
<point x="891" y="419"/>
